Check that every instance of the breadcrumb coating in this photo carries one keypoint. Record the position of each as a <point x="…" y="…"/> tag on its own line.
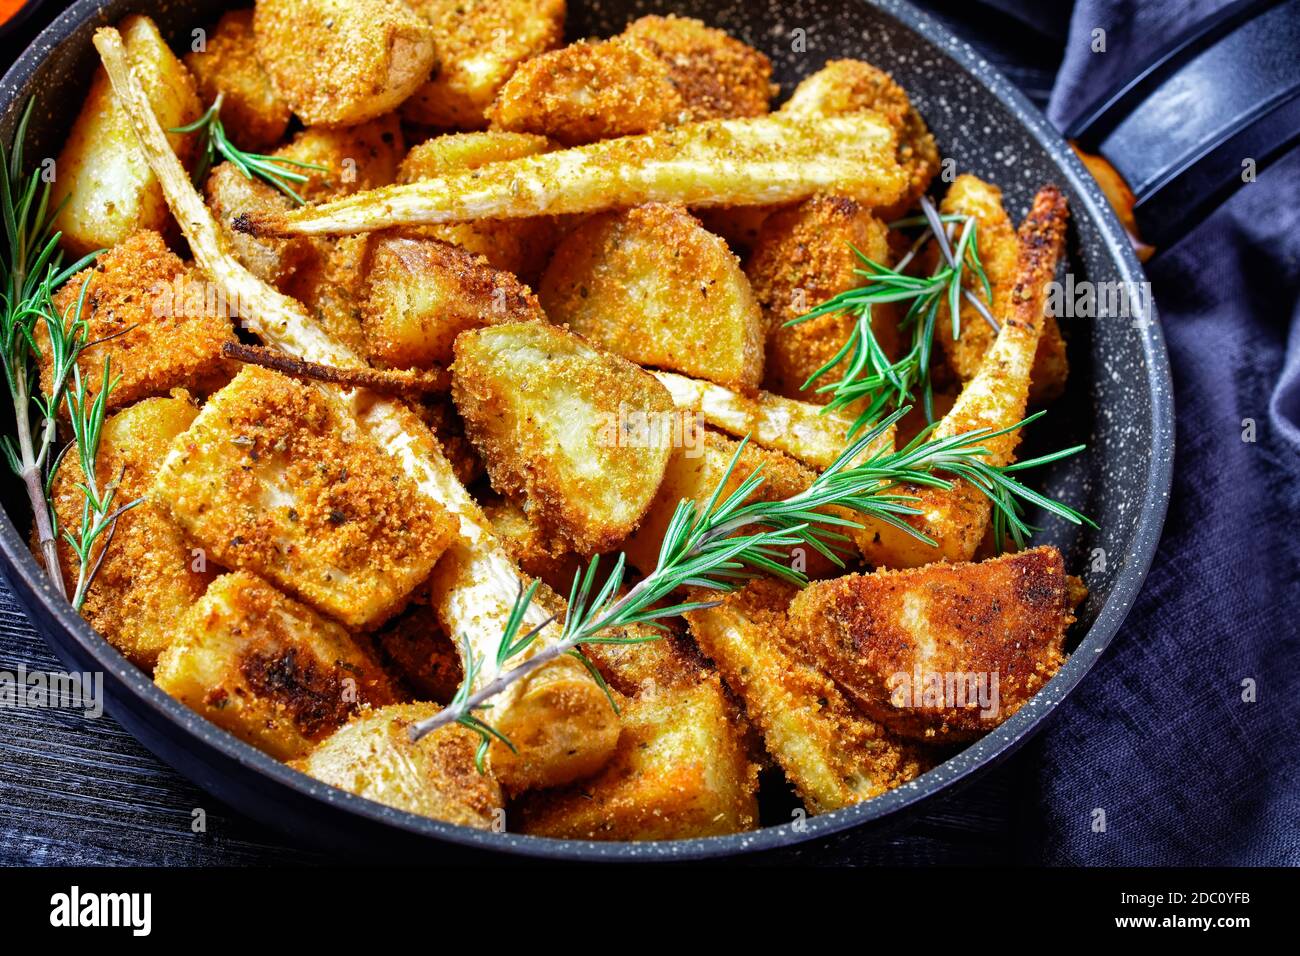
<point x="150" y="576"/>
<point x="480" y="43"/>
<point x="716" y="75"/>
<point x="374" y="757"/>
<point x="253" y="116"/>
<point x="804" y="256"/>
<point x="588" y="91"/>
<point x="887" y="637"/>
<point x="272" y="478"/>
<point x="267" y="668"/>
<point x="654" y="286"/>
<point x="832" y="754"/>
<point x="342" y="62"/>
<point x="148" y="334"/>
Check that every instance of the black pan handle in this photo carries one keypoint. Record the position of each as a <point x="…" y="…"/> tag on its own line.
<point x="1200" y="117"/>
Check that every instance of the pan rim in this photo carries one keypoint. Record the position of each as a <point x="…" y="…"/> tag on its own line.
<point x="33" y="589"/>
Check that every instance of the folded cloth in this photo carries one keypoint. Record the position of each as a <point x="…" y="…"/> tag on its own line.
<point x="1182" y="747"/>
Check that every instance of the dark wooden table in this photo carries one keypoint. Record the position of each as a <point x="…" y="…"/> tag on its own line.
<point x="79" y="791"/>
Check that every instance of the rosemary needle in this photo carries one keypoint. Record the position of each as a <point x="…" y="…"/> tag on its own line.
<point x="279" y="171"/>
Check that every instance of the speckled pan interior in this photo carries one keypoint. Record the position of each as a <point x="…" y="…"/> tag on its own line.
<point x="1118" y="402"/>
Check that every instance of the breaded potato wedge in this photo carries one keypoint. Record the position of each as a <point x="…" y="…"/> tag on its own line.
<point x="374" y="757"/>
<point x="559" y="425"/>
<point x="415" y="647"/>
<point x="254" y="117"/>
<point x="999" y="250"/>
<point x="480" y="44"/>
<point x="534" y="549"/>
<point x="804" y="256"/>
<point x="739" y="225"/>
<point x="716" y="75"/>
<point x="521" y="246"/>
<point x="356" y="158"/>
<point x="680" y="771"/>
<point x="332" y="283"/>
<point x="832" y="754"/>
<point x="104" y="189"/>
<point x="423" y="293"/>
<point x="558" y="717"/>
<point x="806" y="432"/>
<point x="995" y="398"/>
<point x="271" y="671"/>
<point x="847" y="86"/>
<point x="695" y="471"/>
<point x="942" y="653"/>
<point x="152" y="326"/>
<point x="342" y="62"/>
<point x="656" y="287"/>
<point x="272" y="478"/>
<point x="588" y="91"/>
<point x="747" y="162"/>
<point x="150" y="576"/>
<point x="230" y="193"/>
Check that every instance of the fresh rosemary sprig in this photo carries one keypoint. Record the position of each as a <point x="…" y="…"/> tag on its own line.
<point x="868" y="374"/>
<point x="276" y="170"/>
<point x="702" y="548"/>
<point x="31" y="270"/>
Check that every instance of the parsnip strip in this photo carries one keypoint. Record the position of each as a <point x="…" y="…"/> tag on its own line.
<point x="761" y="161"/>
<point x="802" y="430"/>
<point x="388" y="381"/>
<point x="482" y="581"/>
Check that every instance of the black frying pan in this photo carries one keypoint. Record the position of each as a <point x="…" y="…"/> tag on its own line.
<point x="1119" y="403"/>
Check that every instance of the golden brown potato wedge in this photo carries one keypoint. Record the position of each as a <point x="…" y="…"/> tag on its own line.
<point x="746" y="162"/>
<point x="229" y="194"/>
<point x="155" y="323"/>
<point x="588" y="91"/>
<point x="106" y="188"/>
<point x="680" y="771"/>
<point x="268" y="669"/>
<point x="535" y="549"/>
<point x="995" y="398"/>
<point x="423" y="293"/>
<point x="253" y="116"/>
<point x="342" y="62"/>
<point x="945" y="652"/>
<point x="150" y="576"/>
<point x="833" y="755"/>
<point x="581" y="436"/>
<point x="374" y="757"/>
<point x="802" y="257"/>
<point x="480" y="44"/>
<point x="847" y="86"/>
<point x="999" y="250"/>
<point x="272" y="477"/>
<point x="331" y="283"/>
<point x="717" y="76"/>
<point x="656" y="287"/>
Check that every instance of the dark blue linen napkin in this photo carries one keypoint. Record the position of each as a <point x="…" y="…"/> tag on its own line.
<point x="1186" y="736"/>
